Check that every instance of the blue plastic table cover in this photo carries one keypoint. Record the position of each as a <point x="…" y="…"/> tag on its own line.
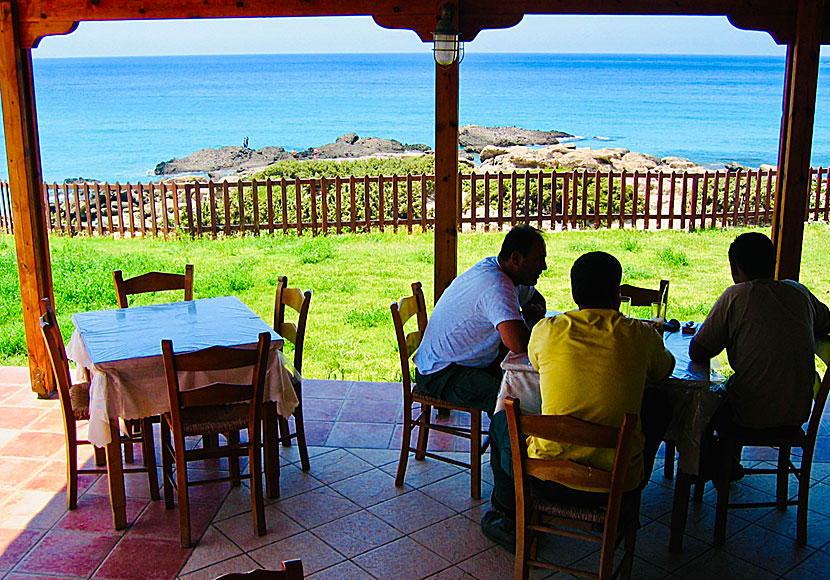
<point x="137" y="332"/>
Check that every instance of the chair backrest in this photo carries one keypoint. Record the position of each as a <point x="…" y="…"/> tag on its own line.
<point x="291" y="570"/>
<point x="645" y="296"/>
<point x="570" y="430"/>
<point x="402" y="312"/>
<point x="152" y="282"/>
<point x="57" y="357"/>
<point x="818" y="408"/>
<point x="298" y="301"/>
<point x="217" y="358"/>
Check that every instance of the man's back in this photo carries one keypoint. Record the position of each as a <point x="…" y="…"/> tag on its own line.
<point x="768" y="329"/>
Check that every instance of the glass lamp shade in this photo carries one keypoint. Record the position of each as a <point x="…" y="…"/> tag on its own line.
<point x="445" y="48"/>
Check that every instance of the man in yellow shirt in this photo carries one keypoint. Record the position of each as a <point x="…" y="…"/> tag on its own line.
<point x="593" y="364"/>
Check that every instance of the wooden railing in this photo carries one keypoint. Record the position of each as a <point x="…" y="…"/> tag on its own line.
<point x="546" y="199"/>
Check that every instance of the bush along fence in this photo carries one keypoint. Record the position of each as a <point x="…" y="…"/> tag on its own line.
<point x="573" y="199"/>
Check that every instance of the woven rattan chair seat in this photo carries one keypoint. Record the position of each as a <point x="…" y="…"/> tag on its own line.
<point x="214" y="420"/>
<point x="421" y="397"/>
<point x="79" y="397"/>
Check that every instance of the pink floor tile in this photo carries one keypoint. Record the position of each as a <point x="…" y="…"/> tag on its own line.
<point x="17" y="417"/>
<point x="94" y="514"/>
<point x="368" y="435"/>
<point x="157" y="522"/>
<point x="144" y="559"/>
<point x="318" y="389"/>
<point x="68" y="552"/>
<point x="136" y="485"/>
<point x="14" y="544"/>
<point x="17" y="470"/>
<point x="52" y="477"/>
<point x="31" y="444"/>
<point x="316" y="432"/>
<point x="365" y="391"/>
<point x="37" y="510"/>
<point x="51" y="421"/>
<point x="320" y="409"/>
<point x="362" y="411"/>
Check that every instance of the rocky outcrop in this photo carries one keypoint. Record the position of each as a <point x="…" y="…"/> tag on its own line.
<point x="350" y="146"/>
<point x="568" y="156"/>
<point x="474" y="138"/>
<point x="223" y="161"/>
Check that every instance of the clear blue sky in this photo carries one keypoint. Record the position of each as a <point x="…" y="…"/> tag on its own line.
<point x="557" y="34"/>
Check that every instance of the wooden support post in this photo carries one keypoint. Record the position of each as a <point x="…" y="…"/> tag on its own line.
<point x="793" y="191"/>
<point x="23" y="154"/>
<point x="446" y="176"/>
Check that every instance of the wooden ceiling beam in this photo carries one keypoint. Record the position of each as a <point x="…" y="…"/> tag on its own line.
<point x="40" y="18"/>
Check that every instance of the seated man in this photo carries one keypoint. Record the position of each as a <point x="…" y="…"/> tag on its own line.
<point x="593" y="364"/>
<point x="768" y="328"/>
<point x="458" y="359"/>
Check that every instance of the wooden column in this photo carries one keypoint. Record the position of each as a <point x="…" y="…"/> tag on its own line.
<point x="446" y="176"/>
<point x="793" y="191"/>
<point x="23" y="153"/>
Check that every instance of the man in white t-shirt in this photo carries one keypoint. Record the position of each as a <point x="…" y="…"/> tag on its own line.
<point x="492" y="304"/>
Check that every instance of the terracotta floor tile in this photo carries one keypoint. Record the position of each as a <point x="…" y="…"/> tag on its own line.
<point x="337" y="465"/>
<point x="157" y="522"/>
<point x="233" y="565"/>
<point x="369" y="411"/>
<point x="32" y="509"/>
<point x="143" y="559"/>
<point x="94" y="514"/>
<point x="240" y="529"/>
<point x="68" y="552"/>
<point x="340" y="534"/>
<point x="378" y="457"/>
<point x="321" y="409"/>
<point x="455" y="539"/>
<point x="371" y="435"/>
<point x="136" y="485"/>
<point x="455" y="491"/>
<point x="30" y="445"/>
<point x="318" y="389"/>
<point x="212" y="548"/>
<point x="314" y="553"/>
<point x="493" y="564"/>
<point x="411" y="512"/>
<point x="52" y="477"/>
<point x="316" y="432"/>
<point x="315" y="508"/>
<point x="424" y="472"/>
<point x="366" y="391"/>
<point x="402" y="559"/>
<point x="294" y="481"/>
<point x="17" y="470"/>
<point x="369" y="488"/>
<point x="18" y="417"/>
<point x="51" y="422"/>
<point x="14" y="544"/>
<point x="343" y="571"/>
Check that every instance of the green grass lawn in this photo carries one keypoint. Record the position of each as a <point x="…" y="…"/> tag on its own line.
<point x="355" y="277"/>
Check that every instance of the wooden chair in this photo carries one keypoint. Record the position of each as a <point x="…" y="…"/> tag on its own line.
<point x="295" y="334"/>
<point x="152" y="282"/>
<point x="210" y="410"/>
<point x="149" y="282"/>
<point x="75" y="407"/>
<point x="415" y="307"/>
<point x="645" y="297"/>
<point x="785" y="439"/>
<point x="617" y="520"/>
<point x="291" y="570"/>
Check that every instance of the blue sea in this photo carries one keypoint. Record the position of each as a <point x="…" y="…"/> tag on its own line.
<point x="116" y="118"/>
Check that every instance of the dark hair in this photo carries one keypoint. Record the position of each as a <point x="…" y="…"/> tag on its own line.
<point x="519" y="239"/>
<point x="754" y="254"/>
<point x="595" y="280"/>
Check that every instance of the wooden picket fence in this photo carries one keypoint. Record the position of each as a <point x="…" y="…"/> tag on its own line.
<point x="547" y="199"/>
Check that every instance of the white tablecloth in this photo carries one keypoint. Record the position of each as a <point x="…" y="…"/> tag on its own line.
<point x="133" y="387"/>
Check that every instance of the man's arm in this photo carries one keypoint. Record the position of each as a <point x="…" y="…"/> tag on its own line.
<point x="534" y="309"/>
<point x="514" y="334"/>
<point x="699" y="353"/>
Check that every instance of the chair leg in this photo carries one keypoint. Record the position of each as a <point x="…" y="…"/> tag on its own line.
<point x="668" y="466"/>
<point x="166" y="464"/>
<point x="406" y="438"/>
<point x="629" y="544"/>
<point x="782" y="478"/>
<point x="72" y="472"/>
<point x="724" y="477"/>
<point x="423" y="431"/>
<point x="182" y="496"/>
<point x="284" y="432"/>
<point x="270" y="446"/>
<point x="233" y="460"/>
<point x="257" y="503"/>
<point x="299" y="429"/>
<point x="148" y="451"/>
<point x="803" y="473"/>
<point x="475" y="454"/>
<point x="521" y="570"/>
<point x="100" y="456"/>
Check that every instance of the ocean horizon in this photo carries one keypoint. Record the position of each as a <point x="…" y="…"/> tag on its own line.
<point x="116" y="118"/>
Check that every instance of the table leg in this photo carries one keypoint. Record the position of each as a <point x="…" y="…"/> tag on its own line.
<point x="680" y="510"/>
<point x="271" y="450"/>
<point x="115" y="477"/>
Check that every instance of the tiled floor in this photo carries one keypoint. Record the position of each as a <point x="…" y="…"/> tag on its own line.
<point x="345" y="518"/>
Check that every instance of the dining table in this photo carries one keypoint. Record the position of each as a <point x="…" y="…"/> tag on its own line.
<point x="695" y="390"/>
<point x="120" y="349"/>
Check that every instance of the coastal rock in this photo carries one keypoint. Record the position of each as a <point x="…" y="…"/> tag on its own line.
<point x="474" y="138"/>
<point x="222" y="161"/>
<point x="350" y="146"/>
<point x="567" y="156"/>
